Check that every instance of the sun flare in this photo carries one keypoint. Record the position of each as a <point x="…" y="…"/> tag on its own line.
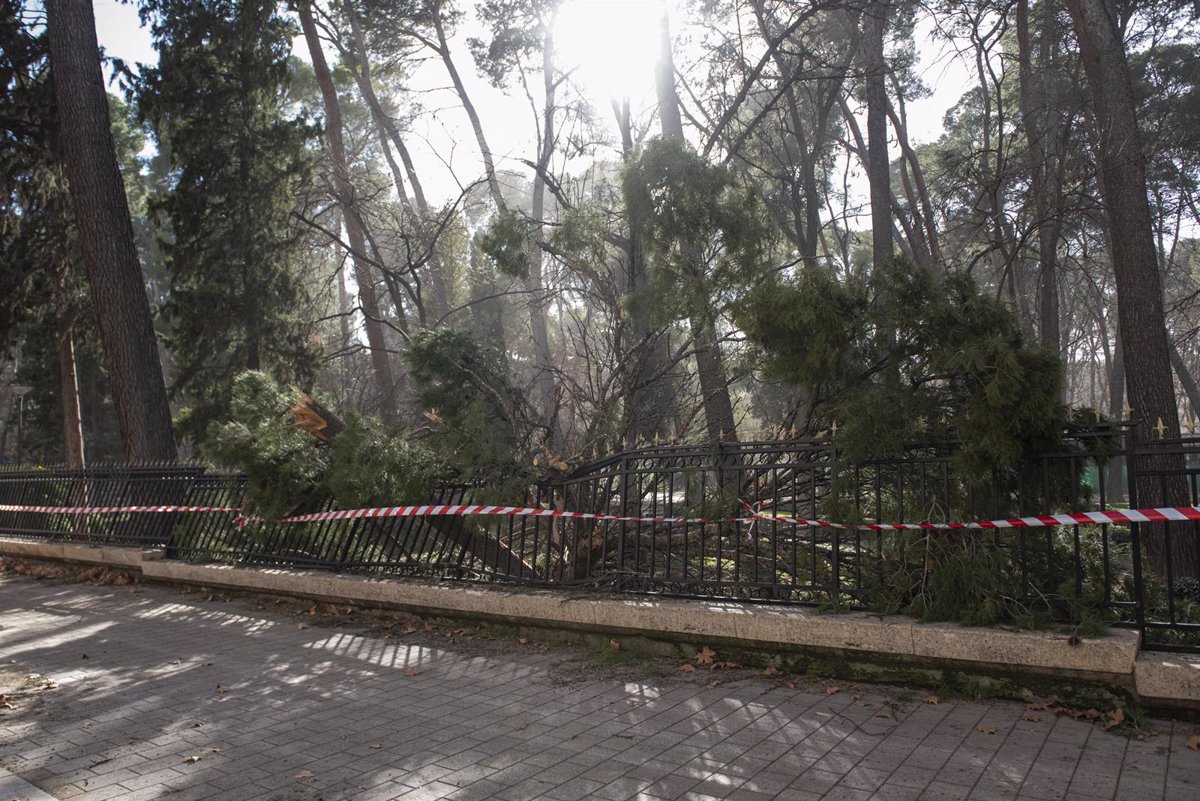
<point x="611" y="45"/>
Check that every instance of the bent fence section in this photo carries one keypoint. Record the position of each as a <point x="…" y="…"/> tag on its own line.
<point x="729" y="540"/>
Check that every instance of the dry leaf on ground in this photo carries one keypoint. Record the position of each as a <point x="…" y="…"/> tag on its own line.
<point x="705" y="655"/>
<point x="375" y="746"/>
<point x="772" y="671"/>
<point x="1115" y="718"/>
<point x="1194" y="742"/>
<point x="687" y="668"/>
<point x="832" y="690"/>
<point x="408" y="674"/>
<point x="886" y="712"/>
<point x="614" y="644"/>
<point x="192" y="759"/>
<point x="306" y="775"/>
<point x="932" y="699"/>
<point x="986" y="729"/>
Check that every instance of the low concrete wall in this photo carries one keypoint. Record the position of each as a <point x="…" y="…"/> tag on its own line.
<point x="1114" y="661"/>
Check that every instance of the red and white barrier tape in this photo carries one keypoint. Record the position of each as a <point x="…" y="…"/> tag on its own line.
<point x="1150" y="515"/>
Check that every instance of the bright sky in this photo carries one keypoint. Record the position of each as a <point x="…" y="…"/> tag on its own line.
<point x="613" y="42"/>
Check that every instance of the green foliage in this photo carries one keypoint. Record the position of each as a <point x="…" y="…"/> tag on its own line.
<point x="289" y="471"/>
<point x="705" y="230"/>
<point x="482" y="423"/>
<point x="977" y="579"/>
<point x="517" y="30"/>
<point x="505" y="242"/>
<point x="283" y="465"/>
<point x="217" y="101"/>
<point x="369" y="467"/>
<point x="900" y="357"/>
<point x="35" y="213"/>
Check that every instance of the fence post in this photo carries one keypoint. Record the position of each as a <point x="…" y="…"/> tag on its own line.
<point x="1135" y="535"/>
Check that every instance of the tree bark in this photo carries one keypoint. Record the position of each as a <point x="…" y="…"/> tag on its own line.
<point x="1186" y="379"/>
<point x="543" y="365"/>
<point x="710" y="367"/>
<point x="69" y="381"/>
<point x="106" y="234"/>
<point x="485" y="151"/>
<point x="648" y="390"/>
<point x="1043" y="134"/>
<point x="1120" y="163"/>
<point x="878" y="164"/>
<point x="389" y="131"/>
<point x="384" y="377"/>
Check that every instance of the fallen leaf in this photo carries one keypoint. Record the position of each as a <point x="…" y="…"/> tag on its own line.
<point x="688" y="668"/>
<point x="886" y="712"/>
<point x="1031" y="718"/>
<point x="306" y="775"/>
<point x="986" y="730"/>
<point x="522" y="641"/>
<point x="832" y="690"/>
<point x="791" y="685"/>
<point x="408" y="674"/>
<point x="212" y="750"/>
<point x="375" y="746"/>
<point x="631" y="702"/>
<point x="705" y="656"/>
<point x="522" y="726"/>
<point x="221" y="688"/>
<point x="614" y="644"/>
<point x="1038" y="707"/>
<point x="932" y="699"/>
<point x="1194" y="742"/>
<point x="1115" y="718"/>
<point x="192" y="759"/>
<point x="197" y="725"/>
<point x="712" y="685"/>
<point x="771" y="671"/>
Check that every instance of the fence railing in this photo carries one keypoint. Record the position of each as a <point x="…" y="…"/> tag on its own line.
<point x="1127" y="575"/>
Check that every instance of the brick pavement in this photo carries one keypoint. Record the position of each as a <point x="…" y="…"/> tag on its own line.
<point x="307" y="713"/>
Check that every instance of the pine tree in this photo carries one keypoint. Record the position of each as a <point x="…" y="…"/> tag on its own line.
<point x="217" y="101"/>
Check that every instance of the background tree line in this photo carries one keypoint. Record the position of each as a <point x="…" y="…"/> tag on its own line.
<point x="691" y="269"/>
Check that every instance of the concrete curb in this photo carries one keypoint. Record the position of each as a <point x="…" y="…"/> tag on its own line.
<point x="1164" y="679"/>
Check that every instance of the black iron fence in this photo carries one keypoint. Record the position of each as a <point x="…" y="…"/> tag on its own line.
<point x="1142" y="576"/>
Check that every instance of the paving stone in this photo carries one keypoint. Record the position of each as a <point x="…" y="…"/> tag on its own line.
<point x="303" y="709"/>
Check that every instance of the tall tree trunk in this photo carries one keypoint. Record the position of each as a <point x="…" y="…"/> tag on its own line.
<point x="878" y="164"/>
<point x="389" y="132"/>
<point x="710" y="367"/>
<point x="1186" y="379"/>
<point x="377" y="343"/>
<point x="69" y="381"/>
<point x="648" y="390"/>
<point x="1120" y="163"/>
<point x="485" y="151"/>
<point x="106" y="234"/>
<point x="1043" y="133"/>
<point x="924" y="213"/>
<point x="543" y="364"/>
